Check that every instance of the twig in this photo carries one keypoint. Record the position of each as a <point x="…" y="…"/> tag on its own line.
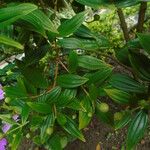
<point x="56" y="73"/>
<point x="62" y="64"/>
<point x="142" y="12"/>
<point x="123" y="24"/>
<point x="115" y="60"/>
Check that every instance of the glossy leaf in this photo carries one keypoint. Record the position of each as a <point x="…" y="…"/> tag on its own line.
<point x="69" y="26"/>
<point x="90" y="63"/>
<point x="145" y="40"/>
<point x="37" y="21"/>
<point x="73" y="61"/>
<point x="140" y="65"/>
<point x="71" y="81"/>
<point x="17" y="91"/>
<point x="98" y="3"/>
<point x="8" y="120"/>
<point x="53" y="95"/>
<point x="48" y="123"/>
<point x="126" y="118"/>
<point x="100" y="76"/>
<point x="10" y="14"/>
<point x="16" y="140"/>
<point x="74" y="43"/>
<point x="126" y="83"/>
<point x="71" y="127"/>
<point x="8" y="41"/>
<point x="34" y="75"/>
<point x="136" y="129"/>
<point x="85" y="117"/>
<point x="40" y="107"/>
<point x="66" y="97"/>
<point x="118" y="96"/>
<point x="25" y="113"/>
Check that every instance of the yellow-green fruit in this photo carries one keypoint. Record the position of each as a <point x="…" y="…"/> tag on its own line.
<point x="28" y="136"/>
<point x="14" y="135"/>
<point x="89" y="114"/>
<point x="9" y="72"/>
<point x="49" y="131"/>
<point x="103" y="107"/>
<point x="63" y="142"/>
<point x="74" y="116"/>
<point x="7" y="100"/>
<point x="118" y="116"/>
<point x="142" y="103"/>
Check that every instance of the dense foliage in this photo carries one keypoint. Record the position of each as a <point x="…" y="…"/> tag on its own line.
<point x="69" y="66"/>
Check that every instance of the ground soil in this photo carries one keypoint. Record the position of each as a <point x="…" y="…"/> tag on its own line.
<point x="108" y="139"/>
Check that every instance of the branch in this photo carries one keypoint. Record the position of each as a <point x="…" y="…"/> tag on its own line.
<point x="141" y="18"/>
<point x="123" y="24"/>
<point x="56" y="73"/>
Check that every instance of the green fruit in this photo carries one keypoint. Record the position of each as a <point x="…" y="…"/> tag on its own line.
<point x="74" y="116"/>
<point x="90" y="114"/>
<point x="142" y="103"/>
<point x="103" y="107"/>
<point x="7" y="100"/>
<point x="118" y="116"/>
<point x="9" y="72"/>
<point x="63" y="142"/>
<point x="27" y="135"/>
<point x="49" y="131"/>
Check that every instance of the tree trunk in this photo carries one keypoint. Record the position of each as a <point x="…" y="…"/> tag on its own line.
<point x="141" y="18"/>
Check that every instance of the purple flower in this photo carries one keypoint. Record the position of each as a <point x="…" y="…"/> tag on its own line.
<point x="1" y="93"/>
<point x="6" y="127"/>
<point x="3" y="143"/>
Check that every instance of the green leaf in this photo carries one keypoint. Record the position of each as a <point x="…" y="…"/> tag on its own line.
<point x="71" y="127"/>
<point x="126" y="118"/>
<point x="61" y="119"/>
<point x="140" y="64"/>
<point x="7" y="120"/>
<point x="76" y="105"/>
<point x="126" y="83"/>
<point x="10" y="42"/>
<point x="98" y="3"/>
<point x="66" y="96"/>
<point x="40" y="107"/>
<point x="53" y="95"/>
<point x="48" y="124"/>
<point x="100" y="76"/>
<point x="71" y="81"/>
<point x="122" y="55"/>
<point x="74" y="43"/>
<point x="84" y="32"/>
<point x="136" y="129"/>
<point x="17" y="91"/>
<point x="144" y="40"/>
<point x="25" y="113"/>
<point x="85" y="117"/>
<point x="37" y="21"/>
<point x="69" y="26"/>
<point x="10" y="14"/>
<point x="16" y="140"/>
<point x="34" y="75"/>
<point x="54" y="143"/>
<point x="119" y="96"/>
<point x="91" y="63"/>
<point x="73" y="61"/>
<point x="91" y="3"/>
